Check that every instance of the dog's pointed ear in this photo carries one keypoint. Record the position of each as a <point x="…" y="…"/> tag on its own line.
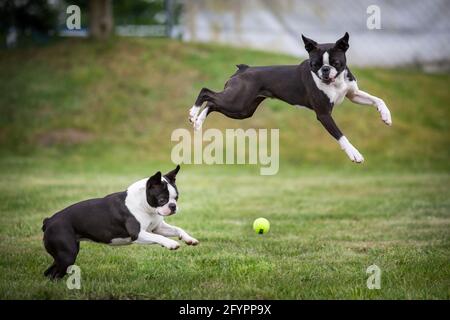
<point x="310" y="44"/>
<point x="342" y="43"/>
<point x="154" y="180"/>
<point x="171" y="176"/>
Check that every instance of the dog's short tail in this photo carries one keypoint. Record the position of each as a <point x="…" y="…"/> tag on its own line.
<point x="44" y="224"/>
<point x="242" y="67"/>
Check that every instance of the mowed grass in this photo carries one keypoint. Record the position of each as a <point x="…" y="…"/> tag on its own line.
<point x="81" y="98"/>
<point x="326" y="230"/>
<point x="81" y="120"/>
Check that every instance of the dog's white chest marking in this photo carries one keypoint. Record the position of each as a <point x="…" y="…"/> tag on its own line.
<point x="337" y="90"/>
<point x="136" y="203"/>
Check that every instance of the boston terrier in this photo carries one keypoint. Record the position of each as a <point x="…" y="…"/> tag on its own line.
<point x="319" y="83"/>
<point x="132" y="216"/>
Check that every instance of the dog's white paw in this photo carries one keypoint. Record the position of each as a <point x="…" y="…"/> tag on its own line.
<point x="198" y="124"/>
<point x="190" y="241"/>
<point x="193" y="112"/>
<point x="354" y="154"/>
<point x="350" y="150"/>
<point x="385" y="114"/>
<point x="171" y="244"/>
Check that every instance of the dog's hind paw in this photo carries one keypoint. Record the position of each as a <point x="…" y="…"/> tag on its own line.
<point x="197" y="124"/>
<point x="193" y="112"/>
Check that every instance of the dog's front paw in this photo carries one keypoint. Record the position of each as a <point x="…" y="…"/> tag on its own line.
<point x="171" y="244"/>
<point x="385" y="114"/>
<point x="354" y="154"/>
<point x="350" y="150"/>
<point x="190" y="241"/>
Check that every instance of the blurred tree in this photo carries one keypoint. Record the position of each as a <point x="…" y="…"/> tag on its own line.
<point x="101" y="22"/>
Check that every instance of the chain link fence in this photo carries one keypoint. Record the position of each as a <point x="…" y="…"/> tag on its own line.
<point x="385" y="33"/>
<point x="382" y="32"/>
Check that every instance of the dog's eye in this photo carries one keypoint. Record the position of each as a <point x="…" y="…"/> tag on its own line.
<point x="161" y="201"/>
<point x="315" y="65"/>
<point x="337" y="63"/>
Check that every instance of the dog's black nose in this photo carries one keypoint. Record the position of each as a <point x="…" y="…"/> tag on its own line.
<point x="172" y="207"/>
<point x="325" y="69"/>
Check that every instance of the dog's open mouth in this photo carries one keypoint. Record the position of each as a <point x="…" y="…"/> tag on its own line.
<point x="327" y="80"/>
<point x="162" y="214"/>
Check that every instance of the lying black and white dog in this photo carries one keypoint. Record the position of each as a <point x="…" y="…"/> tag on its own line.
<point x="319" y="83"/>
<point x="132" y="216"/>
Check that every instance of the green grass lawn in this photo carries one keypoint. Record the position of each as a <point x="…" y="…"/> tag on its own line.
<point x="81" y="120"/>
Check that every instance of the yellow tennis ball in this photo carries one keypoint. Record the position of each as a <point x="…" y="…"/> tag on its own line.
<point x="261" y="225"/>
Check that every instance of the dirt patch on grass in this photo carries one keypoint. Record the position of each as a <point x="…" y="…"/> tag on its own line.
<point x="68" y="136"/>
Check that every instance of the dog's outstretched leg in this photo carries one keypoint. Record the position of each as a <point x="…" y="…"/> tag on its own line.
<point x="329" y="124"/>
<point x="193" y="112"/>
<point x="145" y="237"/>
<point x="203" y="96"/>
<point x="201" y="117"/>
<point x="168" y="230"/>
<point x="361" y="97"/>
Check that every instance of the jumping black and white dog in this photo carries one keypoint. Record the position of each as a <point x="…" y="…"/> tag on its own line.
<point x="319" y="83"/>
<point x="132" y="216"/>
